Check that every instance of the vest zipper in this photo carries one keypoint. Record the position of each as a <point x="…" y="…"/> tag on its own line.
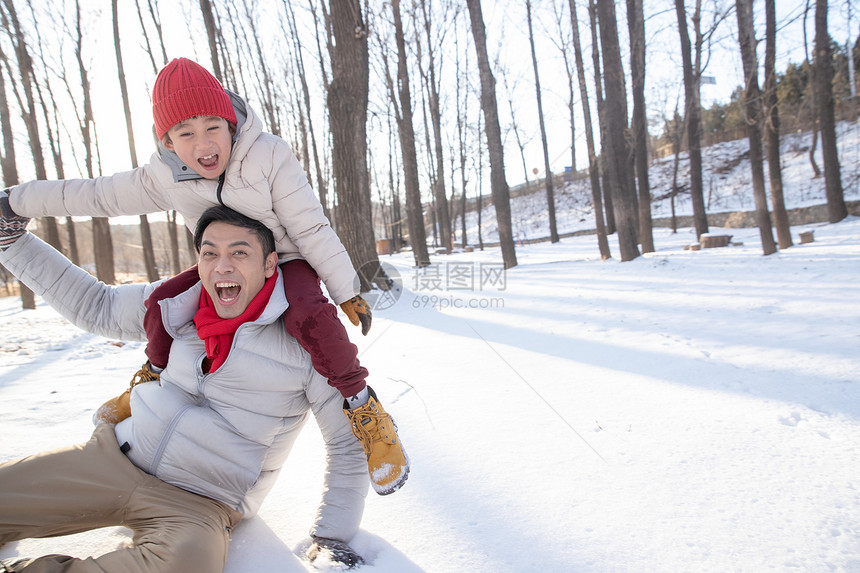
<point x="156" y="459"/>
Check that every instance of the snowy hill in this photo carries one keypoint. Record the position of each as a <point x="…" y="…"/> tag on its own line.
<point x="726" y="182"/>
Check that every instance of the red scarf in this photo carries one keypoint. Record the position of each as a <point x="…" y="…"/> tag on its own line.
<point x="217" y="333"/>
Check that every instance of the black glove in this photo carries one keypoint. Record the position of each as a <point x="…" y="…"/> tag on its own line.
<point x="338" y="551"/>
<point x="12" y="225"/>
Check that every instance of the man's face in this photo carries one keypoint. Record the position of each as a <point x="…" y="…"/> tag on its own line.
<point x="232" y="267"/>
<point x="203" y="143"/>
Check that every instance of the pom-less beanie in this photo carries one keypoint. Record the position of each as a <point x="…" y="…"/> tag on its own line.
<point x="185" y="89"/>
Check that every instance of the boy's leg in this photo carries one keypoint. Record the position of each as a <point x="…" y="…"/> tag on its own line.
<point x="314" y="323"/>
<point x="312" y="320"/>
<point x="94" y="485"/>
<point x="158" y="344"/>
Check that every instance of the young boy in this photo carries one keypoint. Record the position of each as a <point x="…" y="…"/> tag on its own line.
<point x="212" y="149"/>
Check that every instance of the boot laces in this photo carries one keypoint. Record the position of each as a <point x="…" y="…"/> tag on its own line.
<point x="144" y="375"/>
<point x="366" y="423"/>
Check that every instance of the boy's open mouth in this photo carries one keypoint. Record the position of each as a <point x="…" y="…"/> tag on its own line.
<point x="209" y="161"/>
<point x="227" y="291"/>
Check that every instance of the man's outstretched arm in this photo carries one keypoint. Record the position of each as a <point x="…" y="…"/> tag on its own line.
<point x="113" y="312"/>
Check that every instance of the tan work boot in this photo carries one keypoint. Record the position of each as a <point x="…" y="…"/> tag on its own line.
<point x="118" y="408"/>
<point x="386" y="459"/>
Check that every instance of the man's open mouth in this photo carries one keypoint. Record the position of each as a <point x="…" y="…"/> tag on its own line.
<point x="227" y="291"/>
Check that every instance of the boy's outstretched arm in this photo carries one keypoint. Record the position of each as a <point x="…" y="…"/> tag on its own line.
<point x="134" y="192"/>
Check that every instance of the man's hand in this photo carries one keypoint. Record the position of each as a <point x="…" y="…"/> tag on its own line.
<point x="12" y="225"/>
<point x="358" y="312"/>
<point x="336" y="551"/>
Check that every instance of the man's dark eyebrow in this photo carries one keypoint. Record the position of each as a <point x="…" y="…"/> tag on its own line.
<point x="233" y="244"/>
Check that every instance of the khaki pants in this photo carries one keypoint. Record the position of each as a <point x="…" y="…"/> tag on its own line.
<point x="93" y="485"/>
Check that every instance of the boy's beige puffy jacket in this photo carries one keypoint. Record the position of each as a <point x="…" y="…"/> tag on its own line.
<point x="264" y="180"/>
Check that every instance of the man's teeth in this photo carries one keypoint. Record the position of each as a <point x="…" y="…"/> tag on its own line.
<point x="227" y="291"/>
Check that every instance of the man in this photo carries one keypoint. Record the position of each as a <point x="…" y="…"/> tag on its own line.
<point x="204" y="446"/>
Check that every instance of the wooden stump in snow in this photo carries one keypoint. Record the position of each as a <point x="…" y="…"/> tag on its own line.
<point x="807" y="237"/>
<point x="709" y="241"/>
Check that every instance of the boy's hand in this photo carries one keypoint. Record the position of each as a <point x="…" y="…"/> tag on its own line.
<point x="12" y="225"/>
<point x="358" y="312"/>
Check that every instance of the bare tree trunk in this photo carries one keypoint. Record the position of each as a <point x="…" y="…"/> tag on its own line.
<point x="550" y="193"/>
<point x="173" y="234"/>
<point x="780" y="215"/>
<point x="514" y="126"/>
<point x="836" y="209"/>
<point x="429" y="156"/>
<point x="452" y="201"/>
<point x="462" y="120"/>
<point x="564" y="48"/>
<point x="499" y="184"/>
<point x="442" y="208"/>
<point x="607" y="182"/>
<point x="172" y="230"/>
<point x="322" y="189"/>
<point x="300" y="119"/>
<point x="56" y="148"/>
<point x="693" y="120"/>
<point x="401" y="100"/>
<point x="312" y="5"/>
<point x="102" y="242"/>
<point x="10" y="169"/>
<point x="211" y="34"/>
<point x="752" y="101"/>
<point x="396" y="231"/>
<point x="7" y="158"/>
<point x="153" y="13"/>
<point x="347" y="101"/>
<point x="813" y="146"/>
<point x="593" y="167"/>
<point x="145" y="232"/>
<point x="480" y="197"/>
<point x="233" y="75"/>
<point x="28" y="113"/>
<point x="636" y="26"/>
<point x="267" y="95"/>
<point x="677" y="137"/>
<point x="625" y="203"/>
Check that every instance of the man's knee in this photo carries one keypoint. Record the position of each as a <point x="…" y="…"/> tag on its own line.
<point x="195" y="549"/>
<point x="201" y="554"/>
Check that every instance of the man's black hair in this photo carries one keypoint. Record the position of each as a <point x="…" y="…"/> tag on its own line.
<point x="223" y="214"/>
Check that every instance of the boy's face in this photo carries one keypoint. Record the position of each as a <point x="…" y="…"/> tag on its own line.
<point x="203" y="143"/>
<point x="232" y="267"/>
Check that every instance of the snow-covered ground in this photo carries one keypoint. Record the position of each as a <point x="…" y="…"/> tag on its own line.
<point x="684" y="411"/>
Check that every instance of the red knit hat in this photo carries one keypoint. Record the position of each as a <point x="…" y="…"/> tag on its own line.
<point x="185" y="89"/>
